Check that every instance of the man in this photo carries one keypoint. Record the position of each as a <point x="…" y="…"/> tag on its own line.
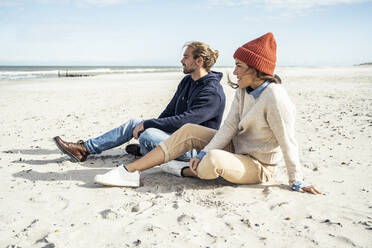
<point x="199" y="99"/>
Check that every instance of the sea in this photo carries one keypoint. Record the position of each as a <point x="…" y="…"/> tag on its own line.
<point x="36" y="72"/>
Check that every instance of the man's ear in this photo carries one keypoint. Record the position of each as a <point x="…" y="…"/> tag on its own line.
<point x="199" y="61"/>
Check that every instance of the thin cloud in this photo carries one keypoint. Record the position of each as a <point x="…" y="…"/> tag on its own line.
<point x="294" y="6"/>
<point x="102" y="2"/>
<point x="308" y="4"/>
<point x="73" y="2"/>
<point x="284" y="9"/>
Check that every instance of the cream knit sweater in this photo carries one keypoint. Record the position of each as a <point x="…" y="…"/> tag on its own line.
<point x="263" y="128"/>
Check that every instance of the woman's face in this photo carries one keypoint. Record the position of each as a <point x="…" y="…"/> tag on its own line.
<point x="244" y="74"/>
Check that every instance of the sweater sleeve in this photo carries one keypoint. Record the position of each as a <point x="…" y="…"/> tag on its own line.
<point x="281" y="119"/>
<point x="229" y="128"/>
<point x="204" y="107"/>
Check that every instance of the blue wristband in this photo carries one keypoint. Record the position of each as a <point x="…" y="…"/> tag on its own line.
<point x="296" y="186"/>
<point x="201" y="154"/>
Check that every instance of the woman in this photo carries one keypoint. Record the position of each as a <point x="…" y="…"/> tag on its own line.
<point x="257" y="133"/>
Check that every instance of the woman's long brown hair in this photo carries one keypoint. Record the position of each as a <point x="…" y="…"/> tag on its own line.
<point x="266" y="77"/>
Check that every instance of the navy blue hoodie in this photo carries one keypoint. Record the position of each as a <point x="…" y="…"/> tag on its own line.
<point x="199" y="102"/>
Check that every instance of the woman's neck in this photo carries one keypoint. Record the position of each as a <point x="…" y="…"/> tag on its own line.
<point x="256" y="83"/>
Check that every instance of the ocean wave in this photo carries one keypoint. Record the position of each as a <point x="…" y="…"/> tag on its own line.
<point x="17" y="73"/>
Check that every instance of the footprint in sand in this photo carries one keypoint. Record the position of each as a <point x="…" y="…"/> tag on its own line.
<point x="108" y="214"/>
<point x="142" y="206"/>
<point x="185" y="219"/>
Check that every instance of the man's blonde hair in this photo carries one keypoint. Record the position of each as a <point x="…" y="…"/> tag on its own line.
<point x="200" y="49"/>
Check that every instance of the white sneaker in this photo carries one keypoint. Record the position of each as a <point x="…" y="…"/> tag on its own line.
<point x="119" y="177"/>
<point x="174" y="167"/>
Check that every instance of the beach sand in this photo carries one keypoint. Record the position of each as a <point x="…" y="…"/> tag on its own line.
<point x="48" y="201"/>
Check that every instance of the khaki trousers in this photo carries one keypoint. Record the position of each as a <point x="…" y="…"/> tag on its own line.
<point x="235" y="168"/>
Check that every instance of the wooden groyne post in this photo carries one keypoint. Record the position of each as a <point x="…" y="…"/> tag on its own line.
<point x="67" y="74"/>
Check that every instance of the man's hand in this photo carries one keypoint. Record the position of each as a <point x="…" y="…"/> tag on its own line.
<point x="139" y="128"/>
<point x="194" y="163"/>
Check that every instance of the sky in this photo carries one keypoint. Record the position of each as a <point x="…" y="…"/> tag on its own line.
<point x="153" y="32"/>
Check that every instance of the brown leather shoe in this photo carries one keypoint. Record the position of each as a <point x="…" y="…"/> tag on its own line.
<point x="76" y="151"/>
<point x="133" y="149"/>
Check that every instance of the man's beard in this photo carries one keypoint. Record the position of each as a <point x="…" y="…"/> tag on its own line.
<point x="189" y="70"/>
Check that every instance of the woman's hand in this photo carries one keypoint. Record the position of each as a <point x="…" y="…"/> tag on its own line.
<point x="302" y="187"/>
<point x="310" y="189"/>
<point x="194" y="163"/>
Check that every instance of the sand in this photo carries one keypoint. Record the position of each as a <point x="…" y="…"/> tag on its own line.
<point x="48" y="201"/>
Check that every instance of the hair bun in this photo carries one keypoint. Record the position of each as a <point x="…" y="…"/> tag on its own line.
<point x="216" y="53"/>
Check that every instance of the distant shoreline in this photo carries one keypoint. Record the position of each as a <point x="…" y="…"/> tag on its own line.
<point x="38" y="72"/>
<point x="368" y="63"/>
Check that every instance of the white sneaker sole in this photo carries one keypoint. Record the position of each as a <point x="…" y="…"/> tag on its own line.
<point x="127" y="184"/>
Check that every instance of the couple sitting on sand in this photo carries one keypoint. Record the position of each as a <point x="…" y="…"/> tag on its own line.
<point x="257" y="133"/>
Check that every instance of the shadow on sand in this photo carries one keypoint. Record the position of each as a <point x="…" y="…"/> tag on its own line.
<point x="84" y="176"/>
<point x="36" y="151"/>
<point x="152" y="180"/>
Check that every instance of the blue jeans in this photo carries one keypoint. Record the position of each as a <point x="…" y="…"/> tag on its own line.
<point x="148" y="139"/>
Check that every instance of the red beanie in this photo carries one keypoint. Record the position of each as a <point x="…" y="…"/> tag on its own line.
<point x="259" y="53"/>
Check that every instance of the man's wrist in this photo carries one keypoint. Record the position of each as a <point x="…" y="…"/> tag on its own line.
<point x="145" y="124"/>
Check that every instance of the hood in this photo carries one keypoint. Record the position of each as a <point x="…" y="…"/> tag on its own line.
<point x="213" y="76"/>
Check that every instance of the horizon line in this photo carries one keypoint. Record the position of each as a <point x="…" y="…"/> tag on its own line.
<point x="164" y="66"/>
